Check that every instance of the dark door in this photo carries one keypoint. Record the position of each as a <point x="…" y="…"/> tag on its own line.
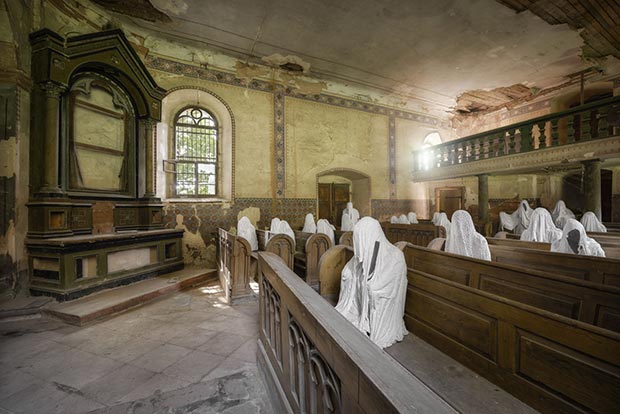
<point x="333" y="198"/>
<point x="449" y="199"/>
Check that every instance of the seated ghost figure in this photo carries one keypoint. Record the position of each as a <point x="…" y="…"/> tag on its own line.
<point x="463" y="238"/>
<point x="519" y="220"/>
<point x="353" y="216"/>
<point x="246" y="230"/>
<point x="393" y="220"/>
<point x="374" y="284"/>
<point x="592" y="224"/>
<point x="561" y="214"/>
<point x="442" y="220"/>
<point x="402" y="219"/>
<point x="285" y="228"/>
<point x="309" y="224"/>
<point x="323" y="226"/>
<point x="575" y="241"/>
<point x="435" y="219"/>
<point x="412" y="218"/>
<point x="541" y="229"/>
<point x="275" y="225"/>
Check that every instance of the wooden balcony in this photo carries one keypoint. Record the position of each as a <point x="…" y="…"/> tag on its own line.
<point x="582" y="133"/>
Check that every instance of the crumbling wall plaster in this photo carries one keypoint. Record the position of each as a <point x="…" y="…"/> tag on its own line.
<point x="321" y="137"/>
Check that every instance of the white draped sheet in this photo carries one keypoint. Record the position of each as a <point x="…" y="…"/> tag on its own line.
<point x="246" y="230"/>
<point x="574" y="240"/>
<point x="352" y="217"/>
<point x="519" y="220"/>
<point x="591" y="223"/>
<point x="323" y="226"/>
<point x="442" y="220"/>
<point x="463" y="238"/>
<point x="309" y="224"/>
<point x="374" y="301"/>
<point x="561" y="214"/>
<point x="412" y="217"/>
<point x="542" y="228"/>
<point x="402" y="219"/>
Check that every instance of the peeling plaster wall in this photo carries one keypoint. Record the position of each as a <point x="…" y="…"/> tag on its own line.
<point x="321" y="137"/>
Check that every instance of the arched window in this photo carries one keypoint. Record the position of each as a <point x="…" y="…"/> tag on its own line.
<point x="195" y="153"/>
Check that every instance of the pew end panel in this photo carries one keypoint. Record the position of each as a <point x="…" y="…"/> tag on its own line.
<point x="316" y="245"/>
<point x="330" y="270"/>
<point x="234" y="267"/>
<point x="346" y="239"/>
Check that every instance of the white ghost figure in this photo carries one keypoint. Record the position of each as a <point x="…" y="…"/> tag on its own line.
<point x="463" y="238"/>
<point x="519" y="220"/>
<point x="561" y="214"/>
<point x="541" y="229"/>
<point x="592" y="224"/>
<point x="575" y="241"/>
<point x="309" y="224"/>
<point x="350" y="216"/>
<point x="412" y="218"/>
<point x="323" y="226"/>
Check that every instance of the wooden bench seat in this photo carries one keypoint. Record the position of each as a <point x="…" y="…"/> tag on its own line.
<point x="515" y="345"/>
<point x="416" y="234"/>
<point x="309" y="249"/>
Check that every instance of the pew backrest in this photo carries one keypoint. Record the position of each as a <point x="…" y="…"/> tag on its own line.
<point x="346" y="238"/>
<point x="310" y="248"/>
<point x="588" y="302"/>
<point x="416" y="234"/>
<point x="603" y="270"/>
<point x="234" y="267"/>
<point x="330" y="269"/>
<point x="519" y="243"/>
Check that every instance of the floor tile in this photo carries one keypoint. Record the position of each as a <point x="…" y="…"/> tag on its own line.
<point x="194" y="366"/>
<point x="161" y="357"/>
<point x="113" y="386"/>
<point x="223" y="344"/>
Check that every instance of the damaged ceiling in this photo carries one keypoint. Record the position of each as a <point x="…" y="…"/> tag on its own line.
<point x="488" y="52"/>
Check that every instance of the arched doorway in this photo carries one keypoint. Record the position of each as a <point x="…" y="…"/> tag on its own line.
<point x="336" y="187"/>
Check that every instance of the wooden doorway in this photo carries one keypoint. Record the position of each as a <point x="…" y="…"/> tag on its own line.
<point x="449" y="199"/>
<point x="333" y="198"/>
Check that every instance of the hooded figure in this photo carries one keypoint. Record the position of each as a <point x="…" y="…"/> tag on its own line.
<point x="323" y="226"/>
<point x="519" y="220"/>
<point x="561" y="214"/>
<point x="591" y="223"/>
<point x="575" y="241"/>
<point x="351" y="220"/>
<point x="442" y="220"/>
<point x="246" y="230"/>
<point x="275" y="225"/>
<point x="435" y="219"/>
<point x="464" y="240"/>
<point x="374" y="285"/>
<point x="541" y="229"/>
<point x="393" y="220"/>
<point x="285" y="228"/>
<point x="413" y="219"/>
<point x="309" y="225"/>
<point x="402" y="219"/>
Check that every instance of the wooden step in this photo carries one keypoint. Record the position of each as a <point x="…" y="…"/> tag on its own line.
<point x="89" y="308"/>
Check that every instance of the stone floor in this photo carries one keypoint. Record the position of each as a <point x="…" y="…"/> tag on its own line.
<point x="187" y="353"/>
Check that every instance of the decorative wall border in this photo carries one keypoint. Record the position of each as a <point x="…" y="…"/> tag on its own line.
<point x="214" y="75"/>
<point x="392" y="155"/>
<point x="525" y="109"/>
<point x="279" y="137"/>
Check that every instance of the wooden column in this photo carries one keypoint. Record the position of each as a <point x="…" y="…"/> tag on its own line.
<point x="147" y="130"/>
<point x="592" y="187"/>
<point x="483" y="200"/>
<point x="51" y="160"/>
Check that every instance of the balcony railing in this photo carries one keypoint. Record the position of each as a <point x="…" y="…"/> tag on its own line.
<point x="580" y="124"/>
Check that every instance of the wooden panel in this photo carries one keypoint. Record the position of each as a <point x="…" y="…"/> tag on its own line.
<point x="594" y="384"/>
<point x="470" y="328"/>
<point x="447" y="270"/>
<point x="608" y="318"/>
<point x="542" y="299"/>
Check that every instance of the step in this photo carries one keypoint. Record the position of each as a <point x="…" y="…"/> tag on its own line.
<point x="89" y="308"/>
<point x="23" y="306"/>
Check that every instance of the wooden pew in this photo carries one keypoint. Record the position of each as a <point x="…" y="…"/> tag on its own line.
<point x="515" y="345"/>
<point x="314" y="361"/>
<point x="330" y="268"/>
<point x="612" y="250"/>
<point x="416" y="234"/>
<point x="553" y="363"/>
<point x="602" y="270"/>
<point x="346" y="238"/>
<point x="309" y="249"/>
<point x="234" y="266"/>
<point x="588" y="302"/>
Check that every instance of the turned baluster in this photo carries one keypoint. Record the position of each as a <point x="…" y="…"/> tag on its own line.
<point x="586" y="128"/>
<point x="555" y="139"/>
